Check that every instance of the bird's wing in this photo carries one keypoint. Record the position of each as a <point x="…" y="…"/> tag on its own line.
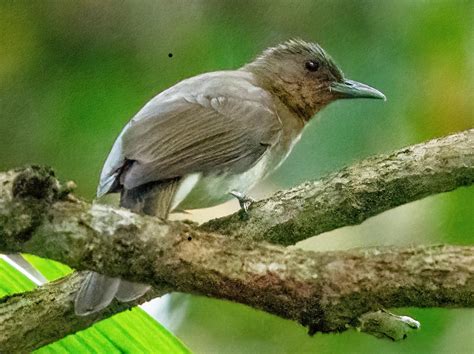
<point x="188" y="134"/>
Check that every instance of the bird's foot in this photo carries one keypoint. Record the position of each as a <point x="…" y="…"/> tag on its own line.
<point x="244" y="201"/>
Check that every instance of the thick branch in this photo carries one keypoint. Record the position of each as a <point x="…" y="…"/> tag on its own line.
<point x="356" y="193"/>
<point x="323" y="291"/>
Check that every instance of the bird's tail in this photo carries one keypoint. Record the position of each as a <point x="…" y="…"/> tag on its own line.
<point x="97" y="291"/>
<point x="153" y="198"/>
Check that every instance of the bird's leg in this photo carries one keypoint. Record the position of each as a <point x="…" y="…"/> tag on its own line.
<point x="244" y="201"/>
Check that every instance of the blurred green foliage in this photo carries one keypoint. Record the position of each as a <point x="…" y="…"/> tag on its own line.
<point x="73" y="73"/>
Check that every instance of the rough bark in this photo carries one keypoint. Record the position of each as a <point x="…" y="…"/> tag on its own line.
<point x="324" y="291"/>
<point x="36" y="318"/>
<point x="357" y="192"/>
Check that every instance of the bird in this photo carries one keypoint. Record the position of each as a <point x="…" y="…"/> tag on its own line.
<point x="214" y="136"/>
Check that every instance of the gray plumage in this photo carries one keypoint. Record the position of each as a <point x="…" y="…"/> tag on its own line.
<point x="197" y="141"/>
<point x="212" y="114"/>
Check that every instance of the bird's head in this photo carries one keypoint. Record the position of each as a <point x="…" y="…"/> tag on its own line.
<point x="305" y="77"/>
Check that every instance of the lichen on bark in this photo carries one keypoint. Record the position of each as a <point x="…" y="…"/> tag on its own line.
<point x="225" y="259"/>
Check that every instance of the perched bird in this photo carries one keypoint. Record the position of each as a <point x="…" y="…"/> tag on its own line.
<point x="215" y="134"/>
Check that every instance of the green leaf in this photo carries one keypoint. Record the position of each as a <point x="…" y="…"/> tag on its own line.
<point x="130" y="331"/>
<point x="51" y="270"/>
<point x="127" y="332"/>
<point x="12" y="281"/>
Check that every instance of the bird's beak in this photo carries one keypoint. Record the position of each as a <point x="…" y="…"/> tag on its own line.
<point x="354" y="89"/>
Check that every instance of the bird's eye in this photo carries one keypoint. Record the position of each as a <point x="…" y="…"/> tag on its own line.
<point x="311" y="65"/>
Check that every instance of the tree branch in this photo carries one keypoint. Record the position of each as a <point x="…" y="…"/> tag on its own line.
<point x="323" y="291"/>
<point x="39" y="317"/>
<point x="356" y="193"/>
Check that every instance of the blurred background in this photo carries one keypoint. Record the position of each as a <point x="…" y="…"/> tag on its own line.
<point x="73" y="73"/>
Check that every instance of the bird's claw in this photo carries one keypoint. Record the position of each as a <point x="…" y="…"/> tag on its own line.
<point x="244" y="200"/>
